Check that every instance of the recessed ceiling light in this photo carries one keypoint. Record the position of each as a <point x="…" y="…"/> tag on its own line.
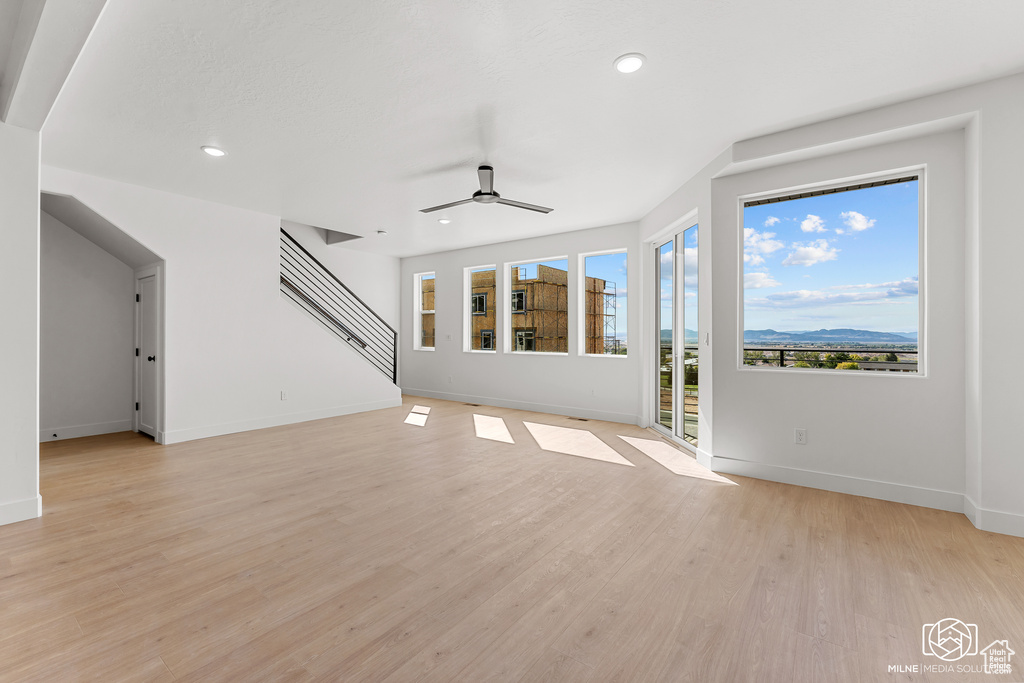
<point x="213" y="151"/>
<point x="444" y="221"/>
<point x="630" y="62"/>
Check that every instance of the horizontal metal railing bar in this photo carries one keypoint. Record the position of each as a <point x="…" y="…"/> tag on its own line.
<point x="319" y="309"/>
<point x="343" y="306"/>
<point x="848" y="349"/>
<point x="379" y="365"/>
<point x="302" y="280"/>
<point x="326" y="270"/>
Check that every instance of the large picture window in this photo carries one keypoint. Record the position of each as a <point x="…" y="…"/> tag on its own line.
<point x="539" y="304"/>
<point x="480" y="298"/>
<point x="830" y="278"/>
<point x="603" y="309"/>
<point x="423" y="319"/>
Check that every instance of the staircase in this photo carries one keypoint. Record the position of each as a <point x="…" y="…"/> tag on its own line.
<point x="315" y="289"/>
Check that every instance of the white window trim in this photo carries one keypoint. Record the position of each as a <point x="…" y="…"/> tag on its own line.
<point x="581" y="303"/>
<point x="417" y="314"/>
<point x="467" y="307"/>
<point x="921" y="171"/>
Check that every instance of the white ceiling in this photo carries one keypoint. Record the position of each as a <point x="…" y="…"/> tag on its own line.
<point x="353" y="115"/>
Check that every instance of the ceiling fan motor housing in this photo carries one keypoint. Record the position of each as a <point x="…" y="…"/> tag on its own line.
<point x="485" y="197"/>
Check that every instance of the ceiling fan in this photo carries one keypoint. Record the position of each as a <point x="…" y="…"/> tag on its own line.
<point x="487" y="195"/>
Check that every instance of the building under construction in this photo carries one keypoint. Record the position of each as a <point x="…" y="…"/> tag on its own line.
<point x="539" y="311"/>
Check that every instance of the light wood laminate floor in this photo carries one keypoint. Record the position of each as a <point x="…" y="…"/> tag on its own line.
<point x="362" y="548"/>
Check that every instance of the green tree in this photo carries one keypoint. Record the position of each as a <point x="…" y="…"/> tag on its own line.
<point x="892" y="357"/>
<point x="848" y="365"/>
<point x="801" y="364"/>
<point x="753" y="357"/>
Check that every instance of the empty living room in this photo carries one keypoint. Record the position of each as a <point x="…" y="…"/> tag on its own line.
<point x="510" y="341"/>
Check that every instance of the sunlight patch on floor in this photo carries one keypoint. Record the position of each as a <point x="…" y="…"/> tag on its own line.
<point x="421" y="409"/>
<point x="492" y="428"/>
<point x="673" y="459"/>
<point x="578" y="442"/>
<point x="418" y="419"/>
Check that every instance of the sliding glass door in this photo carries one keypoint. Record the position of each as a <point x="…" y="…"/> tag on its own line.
<point x="676" y="331"/>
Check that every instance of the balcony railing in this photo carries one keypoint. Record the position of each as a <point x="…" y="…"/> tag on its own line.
<point x="786" y="356"/>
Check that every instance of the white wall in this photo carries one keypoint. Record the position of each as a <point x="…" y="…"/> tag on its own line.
<point x="86" y="336"/>
<point x="19" y="302"/>
<point x="584" y="386"/>
<point x="232" y="342"/>
<point x="885" y="434"/>
<point x="960" y="448"/>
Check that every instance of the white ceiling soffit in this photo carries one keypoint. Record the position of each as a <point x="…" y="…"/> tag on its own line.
<point x="40" y="41"/>
<point x="355" y="115"/>
<point x="97" y="229"/>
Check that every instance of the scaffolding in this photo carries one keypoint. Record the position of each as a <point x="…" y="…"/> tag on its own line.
<point x="612" y="342"/>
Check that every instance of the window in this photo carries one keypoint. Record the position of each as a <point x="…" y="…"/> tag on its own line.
<point x="524" y="340"/>
<point x="603" y="304"/>
<point x="519" y="301"/>
<point x="423" y="319"/>
<point x="478" y="303"/>
<point x="830" y="278"/>
<point x="478" y="315"/>
<point x="539" y="303"/>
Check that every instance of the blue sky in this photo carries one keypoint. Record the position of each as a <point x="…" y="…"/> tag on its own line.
<point x="689" y="275"/>
<point x="848" y="259"/>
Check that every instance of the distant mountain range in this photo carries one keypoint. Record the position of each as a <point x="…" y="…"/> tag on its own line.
<point x="837" y="336"/>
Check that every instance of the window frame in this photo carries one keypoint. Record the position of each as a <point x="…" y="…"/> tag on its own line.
<point x="523" y="332"/>
<point x="467" y="306"/>
<point x="848" y="184"/>
<point x="490" y="336"/>
<point x="581" y="303"/>
<point x="472" y="303"/>
<point x="515" y="292"/>
<point x="419" y="311"/>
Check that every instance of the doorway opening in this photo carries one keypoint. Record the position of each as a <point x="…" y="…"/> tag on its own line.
<point x="93" y="326"/>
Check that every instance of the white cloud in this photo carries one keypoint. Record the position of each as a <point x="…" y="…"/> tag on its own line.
<point x="770" y="221"/>
<point x="856" y="221"/>
<point x="758" y="281"/>
<point x="805" y="297"/>
<point x="757" y="245"/>
<point x="808" y="254"/>
<point x="813" y="224"/>
<point x="840" y="231"/>
<point x="690" y="266"/>
<point x="906" y="286"/>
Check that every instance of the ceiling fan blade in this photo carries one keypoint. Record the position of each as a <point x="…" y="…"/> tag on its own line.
<point x="486" y="174"/>
<point x="524" y="205"/>
<point x="446" y="206"/>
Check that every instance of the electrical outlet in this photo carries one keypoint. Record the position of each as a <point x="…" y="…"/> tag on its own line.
<point x="448" y="337"/>
<point x="800" y="436"/>
<point x="449" y="379"/>
<point x="284" y="395"/>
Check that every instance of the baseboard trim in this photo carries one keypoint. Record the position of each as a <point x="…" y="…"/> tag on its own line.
<point x="182" y="435"/>
<point x="997" y="522"/>
<point x="20" y="510"/>
<point x="84" y="430"/>
<point x="569" y="411"/>
<point x="869" y="488"/>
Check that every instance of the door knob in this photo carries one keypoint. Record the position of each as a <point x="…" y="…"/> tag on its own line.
<point x="151" y="358"/>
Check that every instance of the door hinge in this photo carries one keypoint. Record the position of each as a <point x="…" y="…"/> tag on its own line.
<point x="136" y="405"/>
<point x="137" y="298"/>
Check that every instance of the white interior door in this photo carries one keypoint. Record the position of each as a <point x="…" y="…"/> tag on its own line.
<point x="147" y="361"/>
